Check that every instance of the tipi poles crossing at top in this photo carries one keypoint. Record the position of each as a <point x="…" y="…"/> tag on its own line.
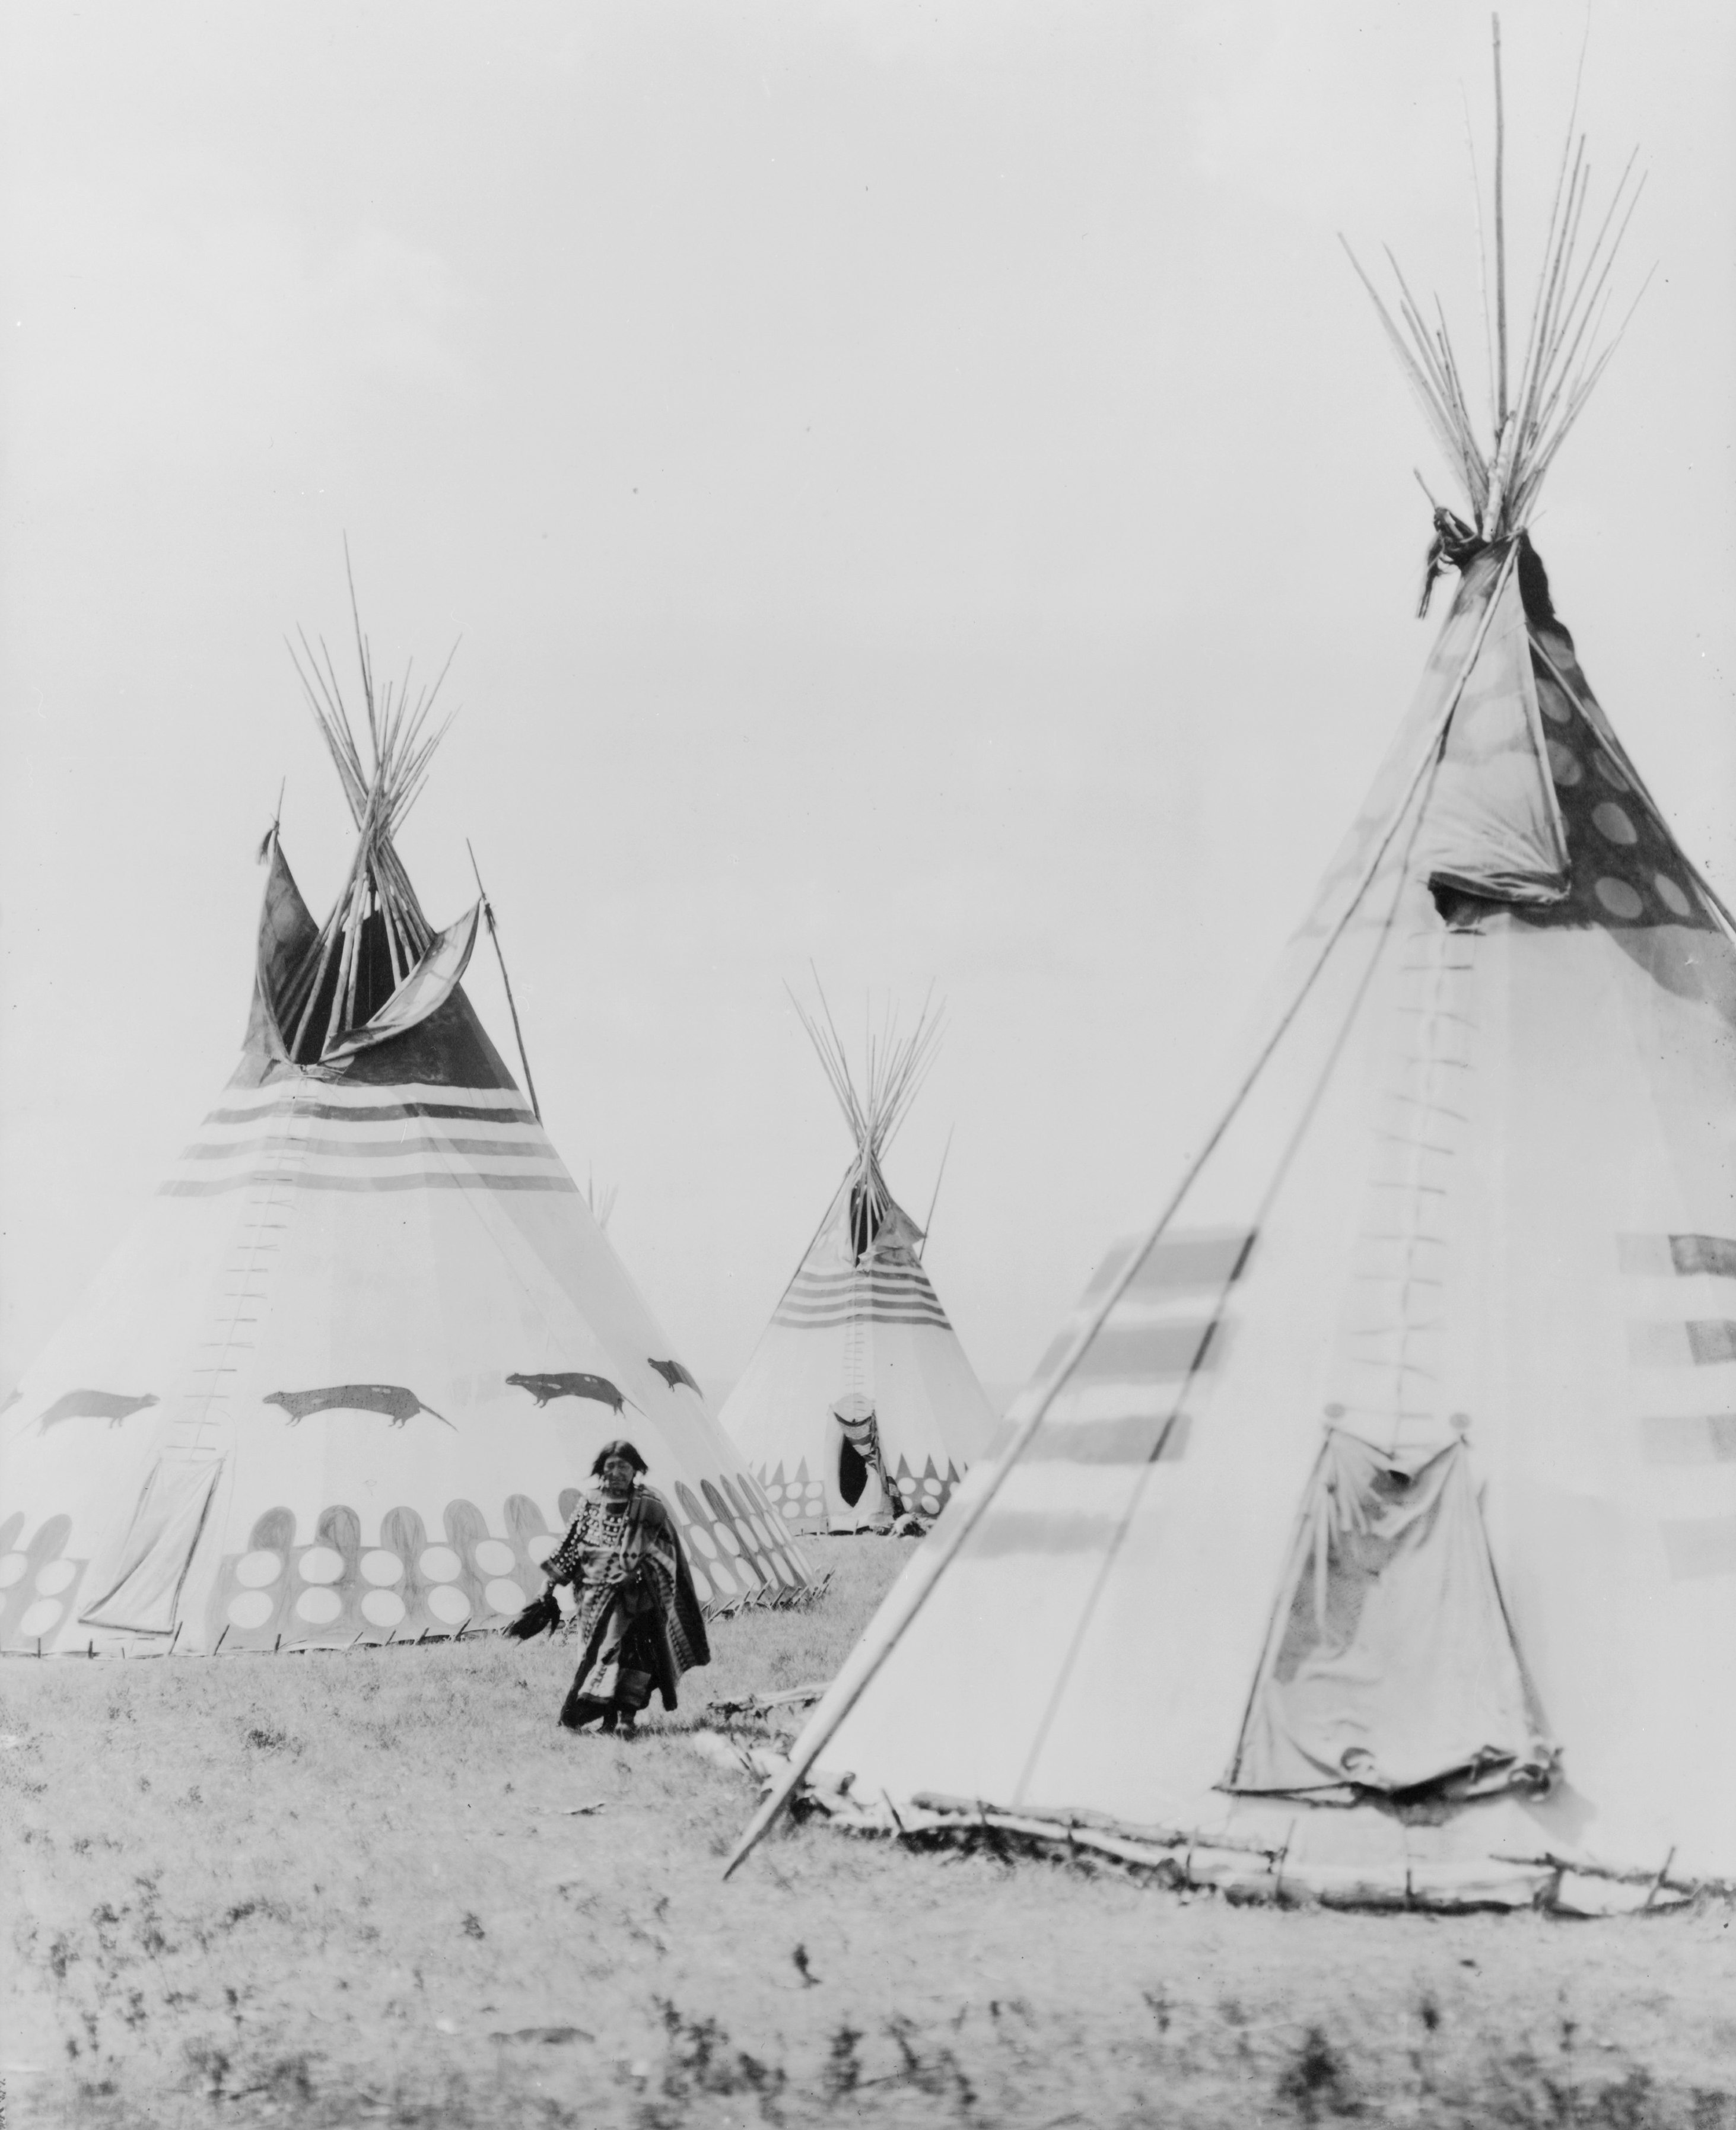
<point x="911" y="1595"/>
<point x="379" y="798"/>
<point x="1564" y="354"/>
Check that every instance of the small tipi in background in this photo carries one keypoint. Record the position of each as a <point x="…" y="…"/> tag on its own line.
<point x="344" y="1381"/>
<point x="1370" y="1529"/>
<point x="858" y="1405"/>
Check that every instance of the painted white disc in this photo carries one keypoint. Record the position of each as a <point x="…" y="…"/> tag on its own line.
<point x="318" y="1606"/>
<point x="381" y="1568"/>
<point x="320" y="1563"/>
<point x="251" y="1609"/>
<point x="42" y="1615"/>
<point x="449" y="1604"/>
<point x="493" y="1558"/>
<point x="253" y="1571"/>
<point x="383" y="1608"/>
<point x="440" y="1564"/>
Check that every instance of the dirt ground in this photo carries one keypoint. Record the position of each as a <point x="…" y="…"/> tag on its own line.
<point x="383" y="1888"/>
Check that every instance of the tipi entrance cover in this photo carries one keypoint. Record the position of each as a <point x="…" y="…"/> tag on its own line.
<point x="1370" y="1529"/>
<point x="858" y="1405"/>
<point x="346" y="1378"/>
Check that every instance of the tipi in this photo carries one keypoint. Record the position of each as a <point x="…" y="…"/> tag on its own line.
<point x="858" y="1405"/>
<point x="344" y="1379"/>
<point x="1370" y="1529"/>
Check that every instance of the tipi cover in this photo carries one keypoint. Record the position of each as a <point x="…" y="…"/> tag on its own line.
<point x="346" y="1378"/>
<point x="859" y="1405"/>
<point x="1370" y="1529"/>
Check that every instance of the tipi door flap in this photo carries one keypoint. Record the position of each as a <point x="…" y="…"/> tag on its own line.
<point x="141" y="1593"/>
<point x="853" y="1472"/>
<point x="1390" y="1665"/>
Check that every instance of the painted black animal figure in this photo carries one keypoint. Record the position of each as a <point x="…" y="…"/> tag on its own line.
<point x="673" y="1372"/>
<point x="391" y="1400"/>
<point x="543" y="1387"/>
<point x="112" y="1406"/>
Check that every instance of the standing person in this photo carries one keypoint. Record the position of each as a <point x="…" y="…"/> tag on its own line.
<point x="638" y="1614"/>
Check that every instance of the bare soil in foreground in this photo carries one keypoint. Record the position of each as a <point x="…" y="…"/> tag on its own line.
<point x="383" y="1888"/>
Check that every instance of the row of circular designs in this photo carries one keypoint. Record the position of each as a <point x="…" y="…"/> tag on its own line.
<point x="319" y="1605"/>
<point x="438" y="1564"/>
<point x="319" y="1566"/>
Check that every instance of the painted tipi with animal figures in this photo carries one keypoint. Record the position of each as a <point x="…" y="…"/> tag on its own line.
<point x="346" y="1378"/>
<point x="858" y="1405"/>
<point x="1368" y="1532"/>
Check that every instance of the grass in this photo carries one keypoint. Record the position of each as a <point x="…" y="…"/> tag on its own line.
<point x="383" y="1887"/>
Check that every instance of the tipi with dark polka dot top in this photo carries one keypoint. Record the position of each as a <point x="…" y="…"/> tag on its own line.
<point x="1369" y="1530"/>
<point x="345" y="1379"/>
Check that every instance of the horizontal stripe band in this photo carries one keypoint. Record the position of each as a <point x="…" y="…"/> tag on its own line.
<point x="829" y="1283"/>
<point x="1703" y="1438"/>
<point x="1128" y="1441"/>
<point x="844" y="1304"/>
<point x="376" y="1112"/>
<point x="1031" y="1531"/>
<point x="1149" y="1350"/>
<point x="1700" y="1343"/>
<point x="814" y="1320"/>
<point x="372" y="1149"/>
<point x="863" y="1307"/>
<point x="317" y="1179"/>
<point x="1705" y="1547"/>
<point x="1685" y="1256"/>
<point x="1192" y="1261"/>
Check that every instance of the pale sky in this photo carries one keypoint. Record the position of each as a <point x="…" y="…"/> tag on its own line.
<point x="920" y="491"/>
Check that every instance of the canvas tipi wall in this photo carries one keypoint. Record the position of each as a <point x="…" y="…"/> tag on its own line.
<point x="1370" y="1529"/>
<point x="1400" y="1462"/>
<point x="347" y="1376"/>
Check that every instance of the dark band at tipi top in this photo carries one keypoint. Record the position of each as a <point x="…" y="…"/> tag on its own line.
<point x="304" y="1375"/>
<point x="1369" y="1530"/>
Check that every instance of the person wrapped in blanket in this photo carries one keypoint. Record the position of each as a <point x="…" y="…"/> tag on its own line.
<point x="637" y="1617"/>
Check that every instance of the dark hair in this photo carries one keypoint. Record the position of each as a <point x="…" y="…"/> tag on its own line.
<point x="621" y="1447"/>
